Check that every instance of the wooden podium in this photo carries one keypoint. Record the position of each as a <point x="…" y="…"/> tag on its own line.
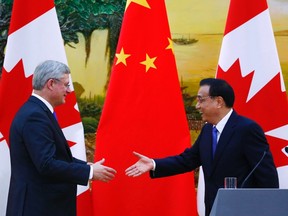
<point x="251" y="202"/>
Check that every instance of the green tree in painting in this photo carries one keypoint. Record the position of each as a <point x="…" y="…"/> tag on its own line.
<point x="86" y="16"/>
<point x="77" y="17"/>
<point x="5" y="14"/>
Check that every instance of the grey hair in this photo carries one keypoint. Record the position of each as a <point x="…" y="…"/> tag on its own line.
<point x="46" y="70"/>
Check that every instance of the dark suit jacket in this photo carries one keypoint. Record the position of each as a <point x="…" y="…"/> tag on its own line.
<point x="241" y="146"/>
<point x="44" y="175"/>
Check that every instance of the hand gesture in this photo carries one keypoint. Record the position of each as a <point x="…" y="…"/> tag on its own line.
<point x="143" y="165"/>
<point x="102" y="173"/>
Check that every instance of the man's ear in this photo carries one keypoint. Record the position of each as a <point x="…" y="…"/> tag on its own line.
<point x="220" y="101"/>
<point x="49" y="84"/>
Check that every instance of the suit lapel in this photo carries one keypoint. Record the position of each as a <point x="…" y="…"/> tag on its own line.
<point x="225" y="137"/>
<point x="54" y="123"/>
<point x="209" y="150"/>
<point x="59" y="131"/>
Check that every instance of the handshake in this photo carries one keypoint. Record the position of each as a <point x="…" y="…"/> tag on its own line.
<point x="106" y="174"/>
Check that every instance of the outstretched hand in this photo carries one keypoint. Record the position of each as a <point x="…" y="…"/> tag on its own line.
<point x="103" y="173"/>
<point x="143" y="165"/>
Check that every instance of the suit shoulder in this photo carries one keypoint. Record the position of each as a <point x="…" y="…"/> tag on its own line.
<point x="247" y="122"/>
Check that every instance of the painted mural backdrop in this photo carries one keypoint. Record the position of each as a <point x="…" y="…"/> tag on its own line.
<point x="90" y="31"/>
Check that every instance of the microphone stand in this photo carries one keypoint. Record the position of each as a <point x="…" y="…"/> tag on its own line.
<point x="243" y="183"/>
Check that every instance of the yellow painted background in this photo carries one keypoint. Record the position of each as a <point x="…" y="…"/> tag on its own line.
<point x="197" y="19"/>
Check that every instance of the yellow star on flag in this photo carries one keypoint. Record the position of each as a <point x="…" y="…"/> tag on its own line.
<point x="170" y="46"/>
<point x="144" y="3"/>
<point x="121" y="57"/>
<point x="149" y="62"/>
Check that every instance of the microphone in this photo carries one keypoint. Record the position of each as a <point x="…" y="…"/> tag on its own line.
<point x="248" y="176"/>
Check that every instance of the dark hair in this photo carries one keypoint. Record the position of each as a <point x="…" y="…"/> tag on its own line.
<point x="219" y="87"/>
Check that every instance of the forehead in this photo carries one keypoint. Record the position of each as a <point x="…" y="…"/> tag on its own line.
<point x="65" y="77"/>
<point x="203" y="90"/>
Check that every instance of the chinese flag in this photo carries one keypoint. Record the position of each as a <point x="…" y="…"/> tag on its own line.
<point x="34" y="36"/>
<point x="143" y="112"/>
<point x="249" y="62"/>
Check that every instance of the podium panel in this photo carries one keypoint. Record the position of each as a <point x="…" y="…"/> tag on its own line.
<point x="250" y="202"/>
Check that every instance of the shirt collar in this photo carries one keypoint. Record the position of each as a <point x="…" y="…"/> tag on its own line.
<point x="221" y="124"/>
<point x="44" y="101"/>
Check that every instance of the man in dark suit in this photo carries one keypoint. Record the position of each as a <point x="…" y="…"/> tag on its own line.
<point x="241" y="146"/>
<point x="44" y="174"/>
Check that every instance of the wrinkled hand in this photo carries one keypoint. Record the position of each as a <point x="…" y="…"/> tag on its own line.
<point x="102" y="173"/>
<point x="143" y="165"/>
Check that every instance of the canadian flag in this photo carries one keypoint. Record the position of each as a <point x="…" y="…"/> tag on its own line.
<point x="249" y="62"/>
<point x="34" y="36"/>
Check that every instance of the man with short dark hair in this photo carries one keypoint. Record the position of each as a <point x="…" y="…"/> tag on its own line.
<point x="240" y="145"/>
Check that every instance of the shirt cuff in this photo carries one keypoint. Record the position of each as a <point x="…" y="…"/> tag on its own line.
<point x="91" y="172"/>
<point x="154" y="165"/>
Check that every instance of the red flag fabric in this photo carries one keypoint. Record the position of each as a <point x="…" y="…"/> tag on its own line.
<point x="143" y="112"/>
<point x="249" y="62"/>
<point x="34" y="36"/>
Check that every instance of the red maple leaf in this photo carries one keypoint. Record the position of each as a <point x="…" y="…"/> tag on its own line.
<point x="66" y="113"/>
<point x="70" y="143"/>
<point x="268" y="107"/>
<point x="15" y="89"/>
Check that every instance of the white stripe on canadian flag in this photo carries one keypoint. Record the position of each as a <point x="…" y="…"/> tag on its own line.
<point x="42" y="34"/>
<point x="5" y="172"/>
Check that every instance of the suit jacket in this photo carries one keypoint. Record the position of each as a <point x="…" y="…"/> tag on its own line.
<point x="44" y="175"/>
<point x="241" y="146"/>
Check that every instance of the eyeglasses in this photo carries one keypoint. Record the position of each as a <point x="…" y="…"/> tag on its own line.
<point x="201" y="99"/>
<point x="67" y="85"/>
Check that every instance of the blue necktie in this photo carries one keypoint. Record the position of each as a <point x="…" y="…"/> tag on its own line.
<point x="55" y="116"/>
<point x="214" y="139"/>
